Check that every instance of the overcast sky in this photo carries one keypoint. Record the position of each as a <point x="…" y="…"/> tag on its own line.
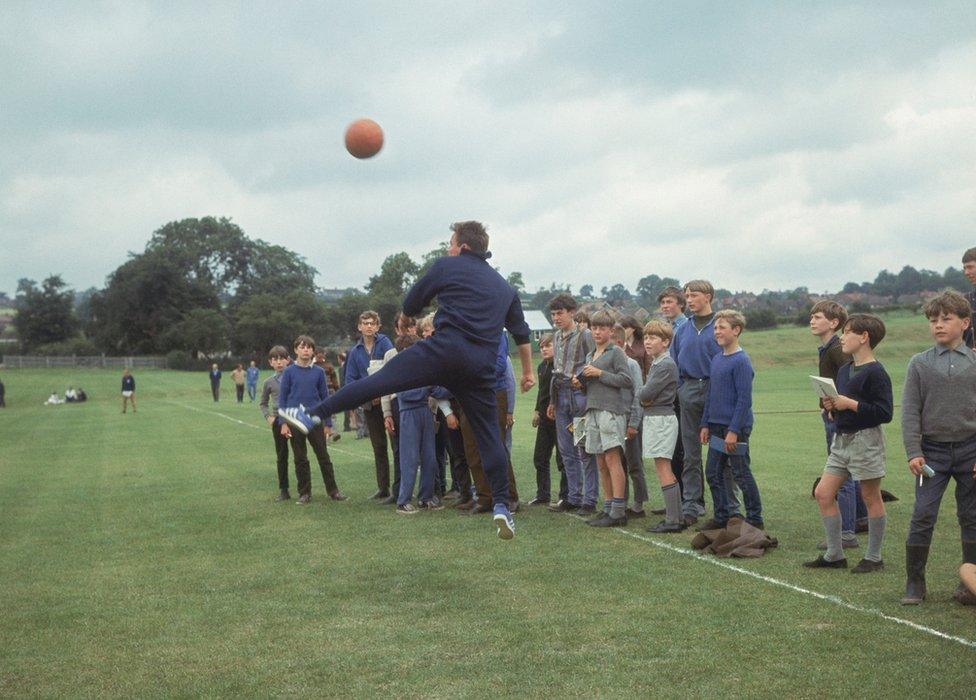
<point x="760" y="145"/>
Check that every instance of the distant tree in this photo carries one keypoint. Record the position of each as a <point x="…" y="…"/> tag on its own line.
<point x="760" y="317"/>
<point x="650" y="286"/>
<point x="515" y="279"/>
<point x="542" y="296"/>
<point x="859" y="306"/>
<point x="803" y="314"/>
<point x="265" y="320"/>
<point x="45" y="314"/>
<point x="851" y="288"/>
<point x="586" y="291"/>
<point x="909" y="281"/>
<point x="202" y="332"/>
<point x="885" y="284"/>
<point x="617" y="295"/>
<point x="955" y="279"/>
<point x="342" y="318"/>
<point x="83" y="306"/>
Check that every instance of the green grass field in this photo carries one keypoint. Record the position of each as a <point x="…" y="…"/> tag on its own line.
<point x="143" y="555"/>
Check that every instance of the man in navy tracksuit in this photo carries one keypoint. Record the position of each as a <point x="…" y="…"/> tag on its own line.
<point x="474" y="304"/>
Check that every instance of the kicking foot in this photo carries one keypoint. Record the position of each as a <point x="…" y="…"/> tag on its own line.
<point x="297" y="418"/>
<point x="504" y="523"/>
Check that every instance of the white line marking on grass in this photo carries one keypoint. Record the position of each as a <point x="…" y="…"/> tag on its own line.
<point x="799" y="589"/>
<point x="256" y="427"/>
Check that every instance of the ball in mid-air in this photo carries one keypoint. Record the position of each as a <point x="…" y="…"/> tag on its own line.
<point x="364" y="138"/>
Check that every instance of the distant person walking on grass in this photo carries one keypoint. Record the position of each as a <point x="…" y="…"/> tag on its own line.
<point x="128" y="389"/>
<point x="3" y="404"/>
<point x="238" y="376"/>
<point x="252" y="380"/>
<point x="215" y="376"/>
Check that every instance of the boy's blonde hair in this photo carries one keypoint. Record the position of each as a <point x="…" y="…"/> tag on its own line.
<point x="659" y="329"/>
<point x="619" y="335"/>
<point x="545" y="339"/>
<point x="369" y="315"/>
<point x="734" y="318"/>
<point x="603" y="319"/>
<point x="425" y="323"/>
<point x="703" y="286"/>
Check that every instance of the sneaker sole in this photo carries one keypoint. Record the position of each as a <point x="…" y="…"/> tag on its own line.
<point x="292" y="422"/>
<point x="505" y="530"/>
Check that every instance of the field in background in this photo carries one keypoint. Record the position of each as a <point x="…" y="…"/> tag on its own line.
<point x="143" y="555"/>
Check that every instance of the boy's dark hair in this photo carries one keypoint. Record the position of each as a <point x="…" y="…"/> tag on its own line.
<point x="545" y="339"/>
<point x="969" y="256"/>
<point x="867" y="323"/>
<point x="405" y="341"/>
<point x="948" y="302"/>
<point x="278" y="352"/>
<point x="402" y="319"/>
<point x="831" y="310"/>
<point x="563" y="301"/>
<point x="582" y="317"/>
<point x="471" y="233"/>
<point x="631" y="322"/>
<point x="603" y="319"/>
<point x="304" y="340"/>
<point x="703" y="286"/>
<point x="675" y="293"/>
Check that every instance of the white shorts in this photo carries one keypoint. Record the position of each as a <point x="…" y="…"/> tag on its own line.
<point x="660" y="436"/>
<point x="127" y="394"/>
<point x="604" y="431"/>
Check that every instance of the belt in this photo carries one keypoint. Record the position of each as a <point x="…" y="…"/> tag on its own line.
<point x="686" y="378"/>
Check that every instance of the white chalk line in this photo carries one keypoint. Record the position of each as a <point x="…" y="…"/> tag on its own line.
<point x="332" y="447"/>
<point x="835" y="600"/>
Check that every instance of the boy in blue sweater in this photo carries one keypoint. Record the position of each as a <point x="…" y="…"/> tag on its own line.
<point x="474" y="304"/>
<point x="728" y="415"/>
<point x="252" y="380"/>
<point x="863" y="403"/>
<point x="303" y="383"/>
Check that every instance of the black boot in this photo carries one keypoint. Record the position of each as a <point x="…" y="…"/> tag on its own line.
<point x="916" y="556"/>
<point x="963" y="594"/>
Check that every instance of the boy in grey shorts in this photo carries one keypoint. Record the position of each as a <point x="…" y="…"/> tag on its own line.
<point x="606" y="380"/>
<point x="863" y="404"/>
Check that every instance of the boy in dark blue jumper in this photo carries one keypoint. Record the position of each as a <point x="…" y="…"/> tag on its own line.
<point x="728" y="415"/>
<point x="416" y="436"/>
<point x="303" y="383"/>
<point x="863" y="403"/>
<point x="474" y="304"/>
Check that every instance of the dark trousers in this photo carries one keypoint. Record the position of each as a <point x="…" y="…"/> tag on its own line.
<point x="215" y="390"/>
<point x="717" y="469"/>
<point x="281" y="455"/>
<point x="545" y="445"/>
<point x="678" y="459"/>
<point x="299" y="448"/>
<point x="460" y="475"/>
<point x="466" y="369"/>
<point x="377" y="437"/>
<point x="442" y="454"/>
<point x="240" y="392"/>
<point x="949" y="460"/>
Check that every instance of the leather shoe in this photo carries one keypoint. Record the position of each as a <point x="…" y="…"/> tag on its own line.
<point x="658" y="511"/>
<point x="690" y="520"/>
<point x="631" y="513"/>
<point x="379" y="495"/>
<point x="337" y="496"/>
<point x="538" y="502"/>
<point x="388" y="501"/>
<point x="563" y="507"/>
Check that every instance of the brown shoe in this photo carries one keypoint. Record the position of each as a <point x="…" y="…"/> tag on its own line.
<point x="690" y="520"/>
<point x="303" y="499"/>
<point x="337" y="496"/>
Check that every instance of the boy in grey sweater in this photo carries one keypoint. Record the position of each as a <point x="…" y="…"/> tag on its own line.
<point x="660" y="423"/>
<point x="939" y="430"/>
<point x="278" y="359"/>
<point x="602" y="378"/>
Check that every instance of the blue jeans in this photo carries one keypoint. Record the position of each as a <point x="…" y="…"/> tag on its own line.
<point x="416" y="452"/>
<point x="580" y="468"/>
<point x="849" y="494"/>
<point x="715" y="467"/>
<point x="252" y="391"/>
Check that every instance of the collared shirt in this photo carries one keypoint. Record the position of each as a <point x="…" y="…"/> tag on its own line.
<point x="678" y="321"/>
<point x="969" y="336"/>
<point x="570" y="351"/>
<point x="951" y="362"/>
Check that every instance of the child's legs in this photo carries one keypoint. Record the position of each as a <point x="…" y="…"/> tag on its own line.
<point x="963" y="459"/>
<point x="871" y="490"/>
<point x="590" y="483"/>
<point x="665" y="475"/>
<point x="132" y="399"/>
<point x="473" y="458"/>
<point x="545" y="439"/>
<point x="428" y="457"/>
<point x="928" y="496"/>
<point x="409" y="453"/>
<point x="826" y="493"/>
<point x="605" y="483"/>
<point x="281" y="455"/>
<point x="847" y="504"/>
<point x="480" y="410"/>
<point x="742" y="473"/>
<point x="635" y="466"/>
<point x="715" y="475"/>
<point x="567" y="402"/>
<point x="692" y="394"/>
<point x="316" y="437"/>
<point x="303" y="473"/>
<point x="615" y="470"/>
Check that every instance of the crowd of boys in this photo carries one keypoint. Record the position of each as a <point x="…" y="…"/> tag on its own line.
<point x="613" y="392"/>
